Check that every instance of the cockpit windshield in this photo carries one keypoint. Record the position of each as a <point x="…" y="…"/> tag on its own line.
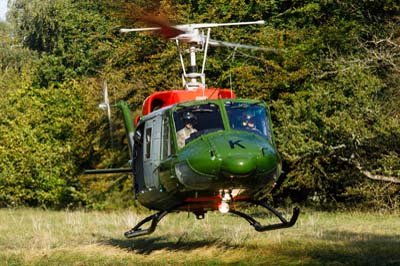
<point x="248" y="116"/>
<point x="193" y="121"/>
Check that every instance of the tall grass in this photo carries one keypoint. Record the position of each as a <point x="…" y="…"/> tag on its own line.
<point x="38" y="237"/>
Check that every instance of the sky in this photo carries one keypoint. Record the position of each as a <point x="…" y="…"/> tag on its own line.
<point x="3" y="9"/>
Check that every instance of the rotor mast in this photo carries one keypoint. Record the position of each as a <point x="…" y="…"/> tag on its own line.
<point x="191" y="77"/>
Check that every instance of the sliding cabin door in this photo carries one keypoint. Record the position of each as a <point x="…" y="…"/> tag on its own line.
<point x="151" y="152"/>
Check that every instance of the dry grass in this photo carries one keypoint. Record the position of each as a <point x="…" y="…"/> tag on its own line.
<point x="37" y="237"/>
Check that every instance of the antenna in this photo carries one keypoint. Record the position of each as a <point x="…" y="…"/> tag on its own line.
<point x="106" y="106"/>
<point x="197" y="42"/>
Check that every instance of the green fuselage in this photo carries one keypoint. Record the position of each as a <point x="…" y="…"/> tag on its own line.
<point x="222" y="153"/>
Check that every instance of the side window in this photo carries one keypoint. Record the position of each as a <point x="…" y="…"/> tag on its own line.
<point x="166" y="139"/>
<point x="148" y="143"/>
<point x="138" y="138"/>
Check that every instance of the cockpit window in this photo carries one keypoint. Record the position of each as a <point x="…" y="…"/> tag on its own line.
<point x="250" y="117"/>
<point x="193" y="121"/>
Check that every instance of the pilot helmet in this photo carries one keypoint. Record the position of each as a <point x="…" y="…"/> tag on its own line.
<point x="248" y="120"/>
<point x="189" y="117"/>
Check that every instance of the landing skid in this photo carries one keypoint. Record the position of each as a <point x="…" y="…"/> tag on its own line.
<point x="156" y="218"/>
<point x="261" y="228"/>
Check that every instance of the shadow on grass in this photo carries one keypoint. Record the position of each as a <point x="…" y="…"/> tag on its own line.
<point x="331" y="248"/>
<point x="349" y="248"/>
<point x="146" y="246"/>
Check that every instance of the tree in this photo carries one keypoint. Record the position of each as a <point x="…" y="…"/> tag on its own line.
<point x="38" y="149"/>
<point x="331" y="78"/>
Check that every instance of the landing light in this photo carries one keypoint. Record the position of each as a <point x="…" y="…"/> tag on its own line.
<point x="223" y="207"/>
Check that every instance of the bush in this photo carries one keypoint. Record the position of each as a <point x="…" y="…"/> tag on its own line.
<point x="38" y="153"/>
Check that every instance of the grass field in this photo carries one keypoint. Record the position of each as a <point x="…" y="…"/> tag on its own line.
<point x="37" y="237"/>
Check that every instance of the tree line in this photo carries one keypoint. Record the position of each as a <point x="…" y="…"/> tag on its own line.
<point x="332" y="80"/>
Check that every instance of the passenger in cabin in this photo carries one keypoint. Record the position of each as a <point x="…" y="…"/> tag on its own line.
<point x="189" y="120"/>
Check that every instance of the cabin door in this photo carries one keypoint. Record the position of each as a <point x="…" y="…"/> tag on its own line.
<point x="151" y="154"/>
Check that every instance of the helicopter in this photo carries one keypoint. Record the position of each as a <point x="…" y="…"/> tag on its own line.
<point x="200" y="149"/>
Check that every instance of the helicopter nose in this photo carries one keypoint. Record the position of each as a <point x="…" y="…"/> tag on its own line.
<point x="238" y="166"/>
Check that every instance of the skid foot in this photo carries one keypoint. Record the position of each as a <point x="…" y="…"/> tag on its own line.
<point x="137" y="231"/>
<point x="261" y="228"/>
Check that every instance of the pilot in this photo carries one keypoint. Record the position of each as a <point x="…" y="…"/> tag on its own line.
<point x="248" y="122"/>
<point x="188" y="120"/>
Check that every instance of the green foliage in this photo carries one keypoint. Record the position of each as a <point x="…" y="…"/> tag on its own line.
<point x="340" y="127"/>
<point x="335" y="124"/>
<point x="331" y="78"/>
<point x="68" y="35"/>
<point x="37" y="146"/>
<point x="17" y="64"/>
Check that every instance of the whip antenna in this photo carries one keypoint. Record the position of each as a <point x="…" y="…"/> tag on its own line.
<point x="106" y="106"/>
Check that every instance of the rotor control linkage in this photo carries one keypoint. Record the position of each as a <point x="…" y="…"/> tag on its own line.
<point x="155" y="219"/>
<point x="261" y="228"/>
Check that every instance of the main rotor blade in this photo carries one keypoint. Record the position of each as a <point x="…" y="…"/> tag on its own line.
<point x="165" y="32"/>
<point x="213" y="25"/>
<point x="237" y="45"/>
<point x="140" y="29"/>
<point x="169" y="31"/>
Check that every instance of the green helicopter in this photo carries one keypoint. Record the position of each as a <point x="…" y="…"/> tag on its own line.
<point x="200" y="149"/>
